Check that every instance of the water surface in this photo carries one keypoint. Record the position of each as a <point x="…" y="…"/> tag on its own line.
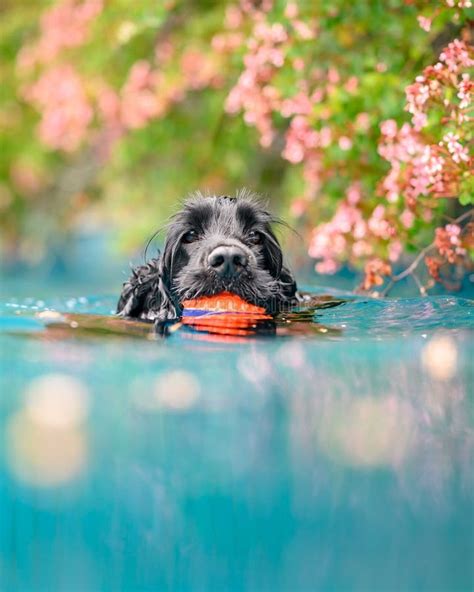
<point x="336" y="455"/>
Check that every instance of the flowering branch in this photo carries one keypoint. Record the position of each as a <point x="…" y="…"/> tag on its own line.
<point x="319" y="86"/>
<point x="409" y="271"/>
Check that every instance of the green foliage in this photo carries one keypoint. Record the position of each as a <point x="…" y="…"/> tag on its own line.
<point x="133" y="180"/>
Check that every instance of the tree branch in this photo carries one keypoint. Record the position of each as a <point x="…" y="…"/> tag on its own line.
<point x="419" y="258"/>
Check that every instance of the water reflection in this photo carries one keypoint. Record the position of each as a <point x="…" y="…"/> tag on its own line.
<point x="45" y="441"/>
<point x="440" y="357"/>
<point x="174" y="391"/>
<point x="229" y="327"/>
<point x="269" y="464"/>
<point x="367" y="431"/>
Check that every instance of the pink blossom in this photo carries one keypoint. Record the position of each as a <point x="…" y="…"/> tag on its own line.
<point x="417" y="95"/>
<point x="345" y="143"/>
<point x="352" y="84"/>
<point x="458" y="151"/>
<point x="298" y="207"/>
<point x="303" y="31"/>
<point x="325" y="136"/>
<point x="417" y="169"/>
<point x="227" y="42"/>
<point x="66" y="24"/>
<point x="395" y="249"/>
<point x="139" y="98"/>
<point x="300" y="139"/>
<point x="164" y="51"/>
<point x="465" y="90"/>
<point x="379" y="225"/>
<point x="299" y="104"/>
<point x="197" y="68"/>
<point x="233" y="17"/>
<point x="457" y="55"/>
<point x="333" y="76"/>
<point x="407" y="218"/>
<point x="389" y="128"/>
<point x="291" y="10"/>
<point x="353" y="193"/>
<point x="362" y="122"/>
<point x="361" y="249"/>
<point x="298" y="64"/>
<point x="109" y="103"/>
<point x="327" y="266"/>
<point x="448" y="242"/>
<point x="424" y="22"/>
<point x="66" y="113"/>
<point x="256" y="9"/>
<point x="251" y="94"/>
<point x="375" y="270"/>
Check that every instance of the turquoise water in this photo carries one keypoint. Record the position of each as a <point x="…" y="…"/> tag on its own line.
<point x="336" y="455"/>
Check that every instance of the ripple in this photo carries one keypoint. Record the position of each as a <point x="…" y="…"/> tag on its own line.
<point x="401" y="316"/>
<point x="358" y="317"/>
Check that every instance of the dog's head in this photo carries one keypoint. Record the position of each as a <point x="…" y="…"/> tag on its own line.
<point x="214" y="244"/>
<point x="217" y="244"/>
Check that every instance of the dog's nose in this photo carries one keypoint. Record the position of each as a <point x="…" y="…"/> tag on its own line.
<point x="227" y="261"/>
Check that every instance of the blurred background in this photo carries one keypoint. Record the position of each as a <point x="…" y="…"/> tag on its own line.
<point x="351" y="119"/>
<point x="194" y="463"/>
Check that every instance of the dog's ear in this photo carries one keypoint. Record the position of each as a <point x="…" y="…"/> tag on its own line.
<point x="287" y="283"/>
<point x="272" y="253"/>
<point x="274" y="262"/>
<point x="146" y="294"/>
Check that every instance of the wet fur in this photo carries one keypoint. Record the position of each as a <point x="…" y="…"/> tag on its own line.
<point x="155" y="291"/>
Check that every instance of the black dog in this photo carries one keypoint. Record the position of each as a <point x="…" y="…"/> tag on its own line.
<point x="213" y="244"/>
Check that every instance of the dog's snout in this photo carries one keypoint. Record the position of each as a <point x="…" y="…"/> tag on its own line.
<point x="227" y="261"/>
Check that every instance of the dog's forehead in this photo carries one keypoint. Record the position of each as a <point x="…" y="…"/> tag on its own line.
<point x="223" y="213"/>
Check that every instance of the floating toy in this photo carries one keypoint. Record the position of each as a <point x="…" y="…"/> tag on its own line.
<point x="225" y="302"/>
<point x="223" y="313"/>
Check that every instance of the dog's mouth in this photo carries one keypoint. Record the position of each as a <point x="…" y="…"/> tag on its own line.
<point x="257" y="288"/>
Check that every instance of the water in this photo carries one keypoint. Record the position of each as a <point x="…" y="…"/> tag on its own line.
<point x="327" y="455"/>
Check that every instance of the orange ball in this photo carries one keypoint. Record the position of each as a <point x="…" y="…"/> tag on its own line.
<point x="225" y="302"/>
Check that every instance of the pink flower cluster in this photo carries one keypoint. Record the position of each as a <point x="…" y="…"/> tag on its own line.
<point x="331" y="241"/>
<point x="65" y="25"/>
<point x="417" y="169"/>
<point x="303" y="143"/>
<point x="451" y="245"/>
<point x="350" y="235"/>
<point x="253" y="94"/>
<point x="421" y="167"/>
<point x="140" y="100"/>
<point x="437" y="83"/>
<point x="149" y="93"/>
<point x="266" y="53"/>
<point x="459" y="3"/>
<point x="457" y="56"/>
<point x="66" y="111"/>
<point x="375" y="271"/>
<point x="426" y="22"/>
<point x="448" y="242"/>
<point x="459" y="153"/>
<point x="302" y="140"/>
<point x="429" y="157"/>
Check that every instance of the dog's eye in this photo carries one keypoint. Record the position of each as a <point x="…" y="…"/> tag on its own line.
<point x="190" y="236"/>
<point x="255" y="237"/>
